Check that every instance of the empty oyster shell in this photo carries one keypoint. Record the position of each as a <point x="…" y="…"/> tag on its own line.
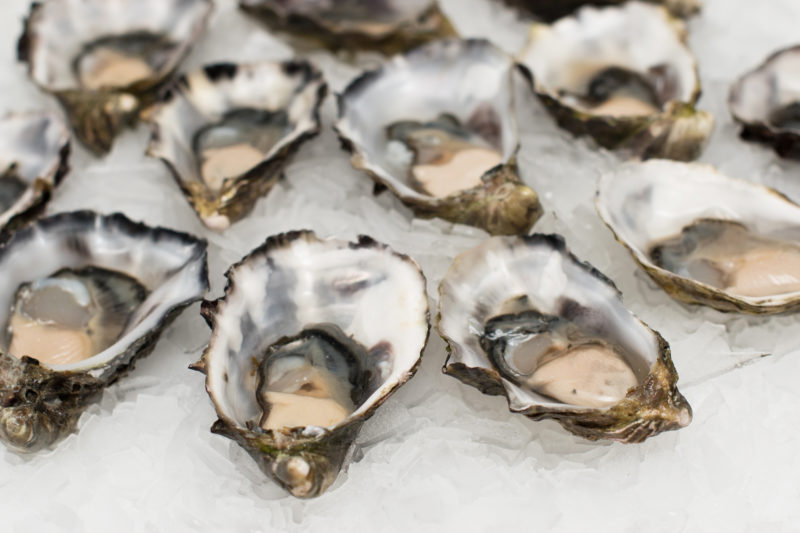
<point x="766" y="101"/>
<point x="297" y="360"/>
<point x="551" y="10"/>
<point x="704" y="237"/>
<point x="226" y="131"/>
<point x="595" y="82"/>
<point x="105" y="59"/>
<point x="525" y="319"/>
<point x="447" y="145"/>
<point x="389" y="26"/>
<point x="84" y="296"/>
<point x="34" y="157"/>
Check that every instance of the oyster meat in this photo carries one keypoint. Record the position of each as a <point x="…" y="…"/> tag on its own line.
<point x="104" y="60"/>
<point x="297" y="360"/>
<point x="388" y="26"/>
<point x="447" y="145"/>
<point x="636" y="98"/>
<point x="226" y="132"/>
<point x="766" y="102"/>
<point x="34" y="158"/>
<point x="704" y="237"/>
<point x="525" y="319"/>
<point x="551" y="10"/>
<point x="85" y="295"/>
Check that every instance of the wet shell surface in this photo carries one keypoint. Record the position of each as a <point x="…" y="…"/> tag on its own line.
<point x="704" y="237"/>
<point x="638" y="99"/>
<point x="447" y="144"/>
<point x="766" y="102"/>
<point x="298" y="358"/>
<point x="551" y="10"/>
<point x="226" y="131"/>
<point x="105" y="59"/>
<point x="84" y="296"/>
<point x="34" y="158"/>
<point x="388" y="26"/>
<point x="523" y="318"/>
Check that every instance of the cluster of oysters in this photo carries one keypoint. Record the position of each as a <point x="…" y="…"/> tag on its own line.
<point x="297" y="359"/>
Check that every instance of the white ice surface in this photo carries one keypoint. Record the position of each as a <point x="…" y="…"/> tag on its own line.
<point x="438" y="456"/>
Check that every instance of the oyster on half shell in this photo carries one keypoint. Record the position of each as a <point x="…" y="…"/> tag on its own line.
<point x="388" y="26"/>
<point x="551" y="10"/>
<point x="704" y="237"/>
<point x="310" y="338"/>
<point x="624" y="76"/>
<point x="525" y="319"/>
<point x="104" y="60"/>
<point x="226" y="131"/>
<point x="437" y="128"/>
<point x="83" y="297"/>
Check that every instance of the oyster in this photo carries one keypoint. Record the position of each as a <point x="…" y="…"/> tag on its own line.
<point x="550" y="10"/>
<point x="297" y="360"/>
<point x="104" y="60"/>
<point x="525" y="319"/>
<point x="226" y="131"/>
<point x="447" y="145"/>
<point x="766" y="101"/>
<point x="84" y="296"/>
<point x="595" y="82"/>
<point x="34" y="157"/>
<point x="704" y="237"/>
<point x="389" y="26"/>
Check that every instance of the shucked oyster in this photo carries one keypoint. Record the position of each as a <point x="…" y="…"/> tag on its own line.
<point x="34" y="154"/>
<point x="624" y="76"/>
<point x="766" y="101"/>
<point x="226" y="131"/>
<point x="525" y="319"/>
<point x="83" y="296"/>
<point x="446" y="144"/>
<point x="311" y="337"/>
<point x="704" y="237"/>
<point x="105" y="59"/>
<point x="389" y="26"/>
<point x="554" y="9"/>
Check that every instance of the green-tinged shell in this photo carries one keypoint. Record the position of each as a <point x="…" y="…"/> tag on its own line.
<point x="456" y="81"/>
<point x="569" y="56"/>
<point x="59" y="33"/>
<point x="390" y="27"/>
<point x="270" y="296"/>
<point x="551" y="10"/>
<point x="40" y="404"/>
<point x="286" y="95"/>
<point x="540" y="278"/>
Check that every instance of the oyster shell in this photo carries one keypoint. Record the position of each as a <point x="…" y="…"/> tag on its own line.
<point x="297" y="360"/>
<point x="525" y="319"/>
<point x="226" y="131"/>
<point x="388" y="26"/>
<point x="704" y="237"/>
<point x="447" y="145"/>
<point x="84" y="296"/>
<point x="551" y="10"/>
<point x="34" y="158"/>
<point x="766" y="102"/>
<point x="105" y="59"/>
<point x="640" y="99"/>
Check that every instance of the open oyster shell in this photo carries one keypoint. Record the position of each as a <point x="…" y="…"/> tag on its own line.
<point x="766" y="102"/>
<point x="105" y="59"/>
<point x="624" y="76"/>
<point x="551" y="10"/>
<point x="447" y="144"/>
<point x="226" y="131"/>
<point x="84" y="296"/>
<point x="704" y="237"/>
<point x="298" y="359"/>
<point x="34" y="157"/>
<point x="525" y="319"/>
<point x="388" y="26"/>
